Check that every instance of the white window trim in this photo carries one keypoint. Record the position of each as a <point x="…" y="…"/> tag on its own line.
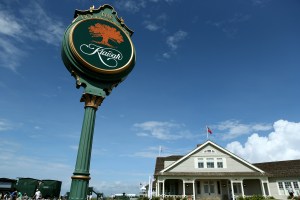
<point x="285" y="191"/>
<point x="205" y="160"/>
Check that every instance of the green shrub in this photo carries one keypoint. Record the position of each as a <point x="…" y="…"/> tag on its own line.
<point x="168" y="198"/>
<point x="143" y="198"/>
<point x="155" y="198"/>
<point x="255" y="197"/>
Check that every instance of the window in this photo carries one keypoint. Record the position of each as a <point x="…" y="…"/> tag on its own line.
<point x="209" y="151"/>
<point x="287" y="184"/>
<point x="206" y="188"/>
<point x="200" y="163"/>
<point x="281" y="188"/>
<point x="210" y="163"/>
<point x="284" y="185"/>
<point x="209" y="187"/>
<point x="280" y="185"/>
<point x="219" y="162"/>
<point x="237" y="188"/>
<point x="5" y="185"/>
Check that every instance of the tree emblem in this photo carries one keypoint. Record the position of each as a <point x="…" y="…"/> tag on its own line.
<point x="107" y="33"/>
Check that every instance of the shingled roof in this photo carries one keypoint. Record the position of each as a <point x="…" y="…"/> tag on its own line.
<point x="161" y="160"/>
<point x="288" y="168"/>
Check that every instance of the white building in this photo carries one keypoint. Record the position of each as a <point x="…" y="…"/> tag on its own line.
<point x="212" y="172"/>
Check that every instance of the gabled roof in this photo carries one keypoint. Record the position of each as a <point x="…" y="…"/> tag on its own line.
<point x="159" y="165"/>
<point x="217" y="147"/>
<point x="288" y="168"/>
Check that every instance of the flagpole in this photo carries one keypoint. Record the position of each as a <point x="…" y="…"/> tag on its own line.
<point x="206" y="133"/>
<point x="150" y="188"/>
<point x="159" y="151"/>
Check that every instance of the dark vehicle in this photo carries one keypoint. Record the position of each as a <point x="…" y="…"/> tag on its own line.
<point x="27" y="185"/>
<point x="7" y="185"/>
<point x="50" y="188"/>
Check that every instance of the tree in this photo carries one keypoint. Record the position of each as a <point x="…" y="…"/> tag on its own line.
<point x="107" y="33"/>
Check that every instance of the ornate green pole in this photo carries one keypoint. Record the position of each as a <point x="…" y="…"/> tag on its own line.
<point x="81" y="175"/>
<point x="98" y="51"/>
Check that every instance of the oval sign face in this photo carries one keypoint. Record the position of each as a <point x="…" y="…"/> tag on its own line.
<point x="101" y="46"/>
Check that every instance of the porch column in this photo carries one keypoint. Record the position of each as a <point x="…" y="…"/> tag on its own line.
<point x="157" y="188"/>
<point x="269" y="191"/>
<point x="262" y="188"/>
<point x="194" y="193"/>
<point x="232" y="191"/>
<point x="163" y="189"/>
<point x="183" y="188"/>
<point x="242" y="187"/>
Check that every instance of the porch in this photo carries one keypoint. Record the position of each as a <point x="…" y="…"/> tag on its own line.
<point x="211" y="189"/>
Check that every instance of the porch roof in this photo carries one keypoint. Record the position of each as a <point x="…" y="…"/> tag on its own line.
<point x="213" y="174"/>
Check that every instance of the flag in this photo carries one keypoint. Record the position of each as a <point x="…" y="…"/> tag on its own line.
<point x="208" y="130"/>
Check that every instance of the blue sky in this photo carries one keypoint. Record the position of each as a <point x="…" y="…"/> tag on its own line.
<point x="232" y="65"/>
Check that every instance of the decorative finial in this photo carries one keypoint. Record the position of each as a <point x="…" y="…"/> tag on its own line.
<point x="122" y="20"/>
<point x="92" y="8"/>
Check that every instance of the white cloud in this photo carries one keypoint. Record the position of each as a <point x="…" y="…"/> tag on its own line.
<point x="173" y="43"/>
<point x="230" y="26"/>
<point x="40" y="26"/>
<point x="233" y="128"/>
<point x="5" y="125"/>
<point x="132" y="6"/>
<point x="9" y="24"/>
<point x="162" y="130"/>
<point x="74" y="147"/>
<point x="14" y="164"/>
<point x="166" y="55"/>
<point x="281" y="144"/>
<point x="168" y="1"/>
<point x="145" y="154"/>
<point x="16" y="30"/>
<point x="174" y="39"/>
<point x="37" y="128"/>
<point x="156" y="23"/>
<point x="151" y="26"/>
<point x="10" y="54"/>
<point x="115" y="187"/>
<point x="150" y="152"/>
<point x="260" y="3"/>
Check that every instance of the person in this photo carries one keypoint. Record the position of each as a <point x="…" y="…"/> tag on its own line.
<point x="291" y="192"/>
<point x="19" y="196"/>
<point x="6" y="196"/>
<point x="25" y="196"/>
<point x="38" y="194"/>
<point x="13" y="195"/>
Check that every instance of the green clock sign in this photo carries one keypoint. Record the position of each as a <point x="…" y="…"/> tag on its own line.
<point x="97" y="48"/>
<point x="101" y="46"/>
